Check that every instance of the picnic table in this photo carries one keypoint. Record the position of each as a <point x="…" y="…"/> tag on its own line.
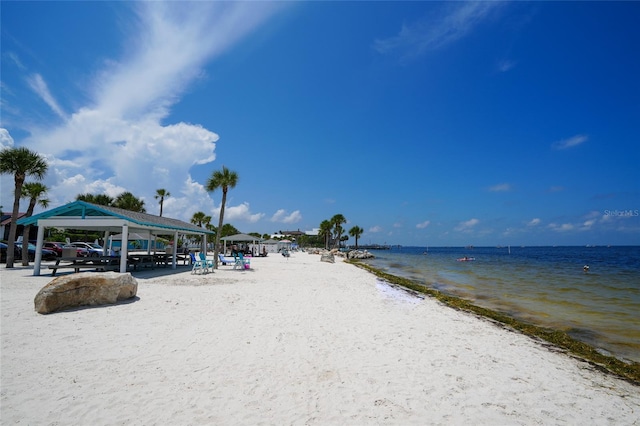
<point x="156" y="259"/>
<point x="101" y="263"/>
<point x="142" y="260"/>
<point x="112" y="263"/>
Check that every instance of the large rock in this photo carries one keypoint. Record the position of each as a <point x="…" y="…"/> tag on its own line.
<point x="359" y="254"/>
<point x="85" y="288"/>
<point x="327" y="257"/>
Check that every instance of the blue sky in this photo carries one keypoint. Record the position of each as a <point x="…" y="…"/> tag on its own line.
<point x="424" y="123"/>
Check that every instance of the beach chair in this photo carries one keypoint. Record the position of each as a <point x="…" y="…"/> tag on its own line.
<point x="206" y="262"/>
<point x="198" y="265"/>
<point x="226" y="260"/>
<point x="242" y="262"/>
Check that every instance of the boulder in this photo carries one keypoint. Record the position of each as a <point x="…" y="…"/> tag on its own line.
<point x="359" y="254"/>
<point x="327" y="257"/>
<point x="85" y="288"/>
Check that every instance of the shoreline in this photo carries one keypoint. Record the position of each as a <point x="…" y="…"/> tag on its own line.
<point x="623" y="368"/>
<point x="547" y="287"/>
<point x="291" y="341"/>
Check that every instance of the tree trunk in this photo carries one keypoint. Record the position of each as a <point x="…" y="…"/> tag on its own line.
<point x="216" y="249"/>
<point x="13" y="228"/>
<point x="25" y="246"/>
<point x="25" y="234"/>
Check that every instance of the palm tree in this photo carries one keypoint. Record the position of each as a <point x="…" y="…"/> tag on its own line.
<point x="336" y="222"/>
<point x="34" y="191"/>
<point x="325" y="232"/>
<point x="229" y="229"/>
<point x="99" y="199"/>
<point x="224" y="179"/>
<point x="199" y="218"/>
<point x="161" y="194"/>
<point x="356" y="232"/>
<point x="21" y="162"/>
<point x="128" y="201"/>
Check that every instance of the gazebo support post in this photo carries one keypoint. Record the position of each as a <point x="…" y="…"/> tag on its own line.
<point x="123" y="250"/>
<point x="38" y="259"/>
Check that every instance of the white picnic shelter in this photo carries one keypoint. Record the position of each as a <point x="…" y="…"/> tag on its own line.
<point x="110" y="220"/>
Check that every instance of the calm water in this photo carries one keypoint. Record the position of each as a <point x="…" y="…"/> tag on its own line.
<point x="542" y="285"/>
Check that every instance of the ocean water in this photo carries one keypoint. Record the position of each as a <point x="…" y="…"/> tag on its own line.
<point x="546" y="286"/>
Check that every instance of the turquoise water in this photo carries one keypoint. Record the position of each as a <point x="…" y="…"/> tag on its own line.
<point x="546" y="286"/>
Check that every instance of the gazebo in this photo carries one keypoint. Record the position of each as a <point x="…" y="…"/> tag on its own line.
<point x="147" y="240"/>
<point x="240" y="238"/>
<point x="110" y="220"/>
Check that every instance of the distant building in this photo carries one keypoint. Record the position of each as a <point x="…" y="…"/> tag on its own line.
<point x="288" y="234"/>
<point x="5" y="224"/>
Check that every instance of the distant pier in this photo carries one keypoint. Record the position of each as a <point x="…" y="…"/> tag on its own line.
<point x="371" y="247"/>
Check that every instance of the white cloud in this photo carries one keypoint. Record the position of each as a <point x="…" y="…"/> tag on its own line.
<point x="118" y="139"/>
<point x="467" y="225"/>
<point x="6" y="141"/>
<point x="39" y="86"/>
<point x="534" y="222"/>
<point x="562" y="227"/>
<point x="282" y="216"/>
<point x="571" y="142"/>
<point x="506" y="65"/>
<point x="503" y="187"/>
<point x="423" y="224"/>
<point x="241" y="212"/>
<point x="397" y="225"/>
<point x="16" y="60"/>
<point x="375" y="229"/>
<point x="452" y="23"/>
<point x="170" y="46"/>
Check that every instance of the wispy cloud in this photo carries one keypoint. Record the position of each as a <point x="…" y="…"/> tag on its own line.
<point x="39" y="86"/>
<point x="502" y="187"/>
<point x="172" y="43"/>
<point x="423" y="225"/>
<point x="467" y="225"/>
<point x="120" y="130"/>
<point x="506" y="65"/>
<point x="16" y="60"/>
<point x="375" y="229"/>
<point x="564" y="227"/>
<point x="570" y="142"/>
<point x="534" y="222"/>
<point x="282" y="216"/>
<point x="450" y="24"/>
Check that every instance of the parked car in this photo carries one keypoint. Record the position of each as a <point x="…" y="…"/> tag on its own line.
<point x="54" y="246"/>
<point x="58" y="246"/>
<point x="94" y="249"/>
<point x="3" y="252"/>
<point x="46" y="253"/>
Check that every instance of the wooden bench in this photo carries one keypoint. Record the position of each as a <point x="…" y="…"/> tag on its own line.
<point x="142" y="260"/>
<point x="77" y="263"/>
<point x="182" y="255"/>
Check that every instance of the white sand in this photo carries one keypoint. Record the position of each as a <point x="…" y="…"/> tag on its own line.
<point x="293" y="341"/>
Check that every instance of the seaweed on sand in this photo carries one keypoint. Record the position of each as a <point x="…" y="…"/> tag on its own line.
<point x="629" y="371"/>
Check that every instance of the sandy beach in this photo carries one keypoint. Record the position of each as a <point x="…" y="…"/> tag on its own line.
<point x="291" y="341"/>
